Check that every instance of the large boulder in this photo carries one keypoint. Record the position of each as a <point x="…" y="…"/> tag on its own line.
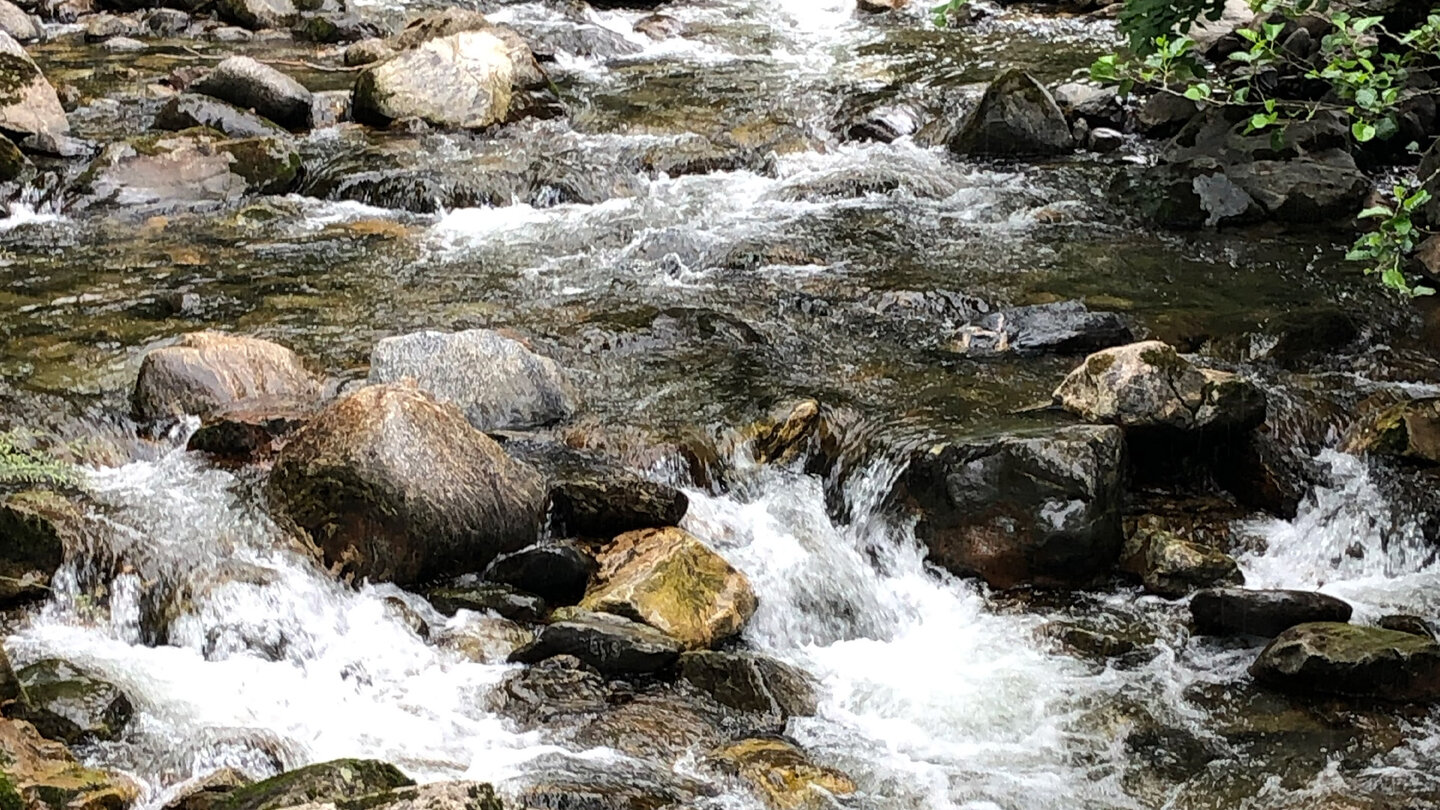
<point x="19" y="25"/>
<point x="783" y="775"/>
<point x="37" y="528"/>
<point x="498" y="382"/>
<point x="45" y="774"/>
<point x="395" y="485"/>
<point x="68" y="704"/>
<point x="252" y="85"/>
<point x="1034" y="508"/>
<point x="1016" y="117"/>
<point x="1344" y="659"/>
<point x="672" y="581"/>
<point x="188" y="110"/>
<point x="203" y="372"/>
<point x="603" y="504"/>
<point x="194" y="169"/>
<point x="1409" y="430"/>
<point x="28" y="104"/>
<point x="1149" y="385"/>
<point x="613" y="645"/>
<point x="323" y="782"/>
<point x="1236" y="611"/>
<point x="463" y="80"/>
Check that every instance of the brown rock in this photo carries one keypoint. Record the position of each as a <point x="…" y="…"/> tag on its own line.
<point x="45" y="774"/>
<point x="203" y="371"/>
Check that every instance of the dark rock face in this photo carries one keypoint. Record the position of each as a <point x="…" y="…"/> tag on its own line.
<point x="70" y="705"/>
<point x="205" y="371"/>
<point x="1235" y="611"/>
<point x="332" y="28"/>
<point x="249" y="84"/>
<point x="1067" y="327"/>
<point x="500" y="599"/>
<point x="559" y="571"/>
<point x="395" y="485"/>
<point x="250" y="430"/>
<point x="1402" y="623"/>
<point x="35" y="529"/>
<point x="1409" y="430"/>
<point x="1343" y="659"/>
<point x="610" y="644"/>
<point x="10" y="689"/>
<point x="1017" y="117"/>
<point x="192" y="110"/>
<point x="602" y="504"/>
<point x="750" y="682"/>
<point x="28" y="104"/>
<point x="326" y="781"/>
<point x="1020" y="509"/>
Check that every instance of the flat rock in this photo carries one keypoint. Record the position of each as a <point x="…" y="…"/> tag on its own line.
<point x="194" y="110"/>
<point x="611" y="644"/>
<point x="1237" y="611"/>
<point x="68" y="704"/>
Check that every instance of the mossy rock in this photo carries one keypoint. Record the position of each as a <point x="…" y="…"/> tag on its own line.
<point x="1346" y="659"/>
<point x="323" y="782"/>
<point x="70" y="705"/>
<point x="782" y="774"/>
<point x="44" y="774"/>
<point x="1409" y="430"/>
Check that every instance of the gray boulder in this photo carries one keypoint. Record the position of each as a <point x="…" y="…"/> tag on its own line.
<point x="463" y="81"/>
<point x="258" y="14"/>
<point x="251" y="85"/>
<point x="20" y="26"/>
<point x="203" y="372"/>
<point x="322" y="782"/>
<point x="1342" y="659"/>
<point x="193" y="110"/>
<point x="1017" y="117"/>
<point x="496" y="381"/>
<point x="394" y="485"/>
<point x="28" y="104"/>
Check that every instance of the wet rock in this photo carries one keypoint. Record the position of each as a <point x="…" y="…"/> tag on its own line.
<point x="46" y="775"/>
<point x="1086" y="642"/>
<point x="1172" y="567"/>
<point x="1308" y="335"/>
<point x="1235" y="611"/>
<point x="880" y="6"/>
<point x="250" y="430"/>
<point x="204" y="371"/>
<point x="206" y="792"/>
<point x="20" y="26"/>
<point x="672" y="581"/>
<point x="258" y="14"/>
<point x="1409" y="430"/>
<point x="1017" y="117"/>
<point x="611" y="644"/>
<point x="166" y="22"/>
<point x="602" y="504"/>
<point x="67" y="704"/>
<point x="123" y="45"/>
<point x="502" y="600"/>
<point x="1105" y="140"/>
<point x="612" y="784"/>
<point x="784" y="440"/>
<point x="464" y="80"/>
<point x="443" y="23"/>
<point x="28" y="104"/>
<point x="193" y="110"/>
<point x="1066" y="327"/>
<point x="326" y="781"/>
<point x="331" y="108"/>
<point x="484" y="639"/>
<point x="367" y="51"/>
<point x="395" y="485"/>
<point x="750" y="682"/>
<point x="1165" y="114"/>
<point x="1148" y="385"/>
<point x="434" y="796"/>
<point x="551" y="41"/>
<point x="498" y="382"/>
<point x="557" y="571"/>
<point x="10" y="689"/>
<point x="783" y="775"/>
<point x="15" y="167"/>
<point x="1402" y="623"/>
<point x="1304" y="191"/>
<point x="36" y="528"/>
<point x="251" y="85"/>
<point x="1343" y="659"/>
<point x="1099" y="106"/>
<point x="229" y="33"/>
<point x="1033" y="508"/>
<point x="659" y="26"/>
<point x="886" y="124"/>
<point x="655" y="726"/>
<point x="558" y="688"/>
<point x="197" y="168"/>
<point x="102" y="27"/>
<point x="331" y="28"/>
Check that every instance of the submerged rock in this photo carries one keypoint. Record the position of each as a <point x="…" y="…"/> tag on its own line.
<point x="464" y="80"/>
<point x="45" y="774"/>
<point x="1016" y="117"/>
<point x="1343" y="659"/>
<point x="194" y="110"/>
<point x="558" y="571"/>
<point x="750" y="682"/>
<point x="1149" y="385"/>
<point x="203" y="372"/>
<point x="1039" y="508"/>
<point x="67" y="704"/>
<point x="1409" y="430"/>
<point x="483" y="639"/>
<point x="1236" y="611"/>
<point x="672" y="581"/>
<point x="323" y="782"/>
<point x="1066" y="327"/>
<point x="498" y="382"/>
<point x="395" y="485"/>
<point x="252" y="85"/>
<point x="28" y="104"/>
<point x="605" y="504"/>
<point x="611" y="644"/>
<point x="782" y="774"/>
<point x="502" y="600"/>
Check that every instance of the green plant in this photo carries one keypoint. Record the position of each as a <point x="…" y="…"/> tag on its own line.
<point x="21" y="465"/>
<point x="1385" y="249"/>
<point x="940" y="15"/>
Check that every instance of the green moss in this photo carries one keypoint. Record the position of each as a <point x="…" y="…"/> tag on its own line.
<point x="326" y="781"/>
<point x="9" y="796"/>
<point x="1099" y="363"/>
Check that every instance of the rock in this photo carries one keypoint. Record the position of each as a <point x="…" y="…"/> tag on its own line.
<point x="886" y="124"/>
<point x="193" y="110"/>
<point x="443" y="23"/>
<point x="783" y="775"/>
<point x="17" y="24"/>
<point x="1105" y="140"/>
<point x="15" y="167"/>
<point x="206" y="792"/>
<point x="1402" y="623"/>
<point x="10" y="688"/>
<point x="880" y="6"/>
<point x="205" y="371"/>
<point x="1172" y="567"/>
<point x="250" y="430"/>
<point x="229" y="33"/>
<point x="659" y="26"/>
<point x="611" y="644"/>
<point x="434" y="796"/>
<point x="332" y="28"/>
<point x="1304" y="191"/>
<point x="657" y="725"/>
<point x="561" y="688"/>
<point x="197" y="168"/>
<point x="251" y="85"/>
<point x="1165" y="114"/>
<point x="484" y="639"/>
<point x="37" y="528"/>
<point x="1409" y="430"/>
<point x="502" y="600"/>
<point x="1037" y="508"/>
<point x="166" y="22"/>
<point x="1148" y="385"/>
<point x="1066" y="327"/>
<point x="557" y="571"/>
<point x="367" y="51"/>
<point x="1016" y="117"/>
<point x="1099" y="106"/>
<point x="46" y="775"/>
<point x="67" y="704"/>
<point x="784" y="440"/>
<point x="28" y="104"/>
<point x="331" y="108"/>
<point x="123" y="45"/>
<point x="1235" y="611"/>
<point x="605" y="505"/>
<point x="102" y="27"/>
<point x="463" y="80"/>
<point x="750" y="682"/>
<point x="496" y="381"/>
<point x="395" y="485"/>
<point x="673" y="582"/>
<point x="1086" y="642"/>
<point x="1343" y="659"/>
<point x="258" y="14"/>
<point x="323" y="782"/>
<point x="1193" y="194"/>
<point x="615" y="783"/>
<point x="1308" y="335"/>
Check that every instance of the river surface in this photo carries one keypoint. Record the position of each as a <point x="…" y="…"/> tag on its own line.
<point x="698" y="302"/>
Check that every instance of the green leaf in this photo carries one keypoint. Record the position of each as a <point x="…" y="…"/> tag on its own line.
<point x="1418" y="291"/>
<point x="1366" y="97"/>
<point x="1375" y="211"/>
<point x="1363" y="132"/>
